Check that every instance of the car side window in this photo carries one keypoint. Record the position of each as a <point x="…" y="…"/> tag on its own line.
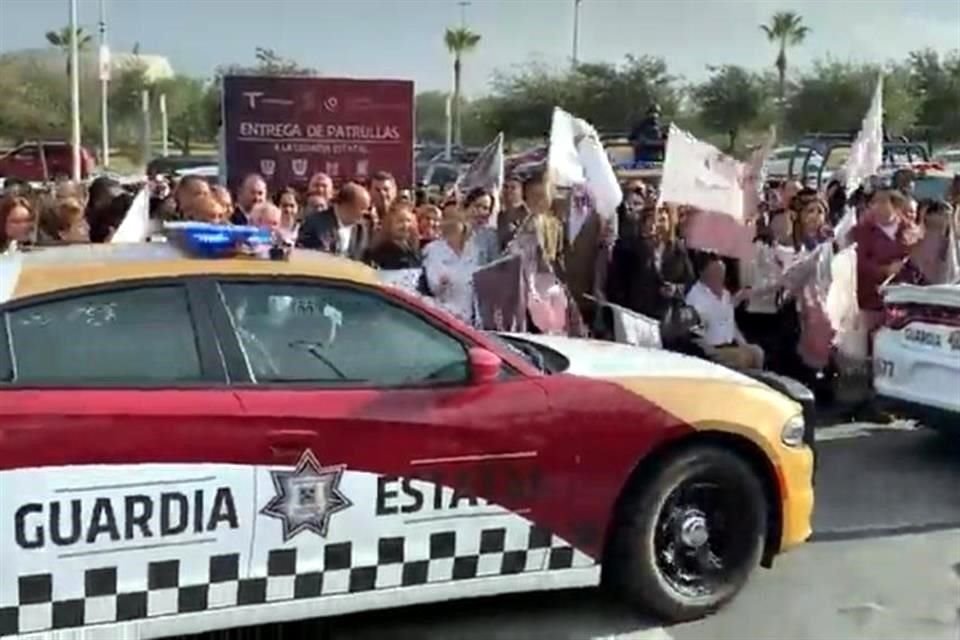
<point x="27" y="153"/>
<point x="122" y="337"/>
<point x="339" y="337"/>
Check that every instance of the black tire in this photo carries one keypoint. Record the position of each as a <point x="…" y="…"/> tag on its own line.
<point x="648" y="522"/>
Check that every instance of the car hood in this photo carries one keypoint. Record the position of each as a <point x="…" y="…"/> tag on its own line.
<point x="602" y="359"/>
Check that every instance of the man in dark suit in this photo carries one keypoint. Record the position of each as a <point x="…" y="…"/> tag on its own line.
<point x="253" y="191"/>
<point x="340" y="229"/>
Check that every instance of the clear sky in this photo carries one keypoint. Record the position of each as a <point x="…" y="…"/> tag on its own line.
<point x="404" y="38"/>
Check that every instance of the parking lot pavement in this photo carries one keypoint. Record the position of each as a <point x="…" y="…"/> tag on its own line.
<point x="893" y="587"/>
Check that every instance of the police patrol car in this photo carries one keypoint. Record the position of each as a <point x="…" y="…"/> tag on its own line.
<point x="195" y="444"/>
<point x="917" y="354"/>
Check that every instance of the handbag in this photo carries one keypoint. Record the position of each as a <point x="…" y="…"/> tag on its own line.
<point x="679" y="321"/>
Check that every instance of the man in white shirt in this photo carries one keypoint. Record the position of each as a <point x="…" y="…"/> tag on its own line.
<point x="722" y="340"/>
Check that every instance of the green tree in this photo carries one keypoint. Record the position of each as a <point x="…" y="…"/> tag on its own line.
<point x="612" y="97"/>
<point x="937" y="83"/>
<point x="730" y="100"/>
<point x="269" y="63"/>
<point x="61" y="40"/>
<point x="834" y="96"/>
<point x="459" y="42"/>
<point x="187" y="111"/>
<point x="785" y="29"/>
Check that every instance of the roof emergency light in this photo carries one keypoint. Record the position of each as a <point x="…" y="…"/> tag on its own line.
<point x="204" y="240"/>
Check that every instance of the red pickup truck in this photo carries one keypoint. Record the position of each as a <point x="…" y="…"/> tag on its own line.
<point x="26" y="162"/>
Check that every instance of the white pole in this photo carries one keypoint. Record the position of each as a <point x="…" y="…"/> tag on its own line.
<point x="576" y="31"/>
<point x="163" y="126"/>
<point x="449" y="145"/>
<point x="74" y="92"/>
<point x="145" y="106"/>
<point x="104" y="88"/>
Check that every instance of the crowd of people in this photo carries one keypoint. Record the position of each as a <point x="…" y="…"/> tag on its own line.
<point x="639" y="259"/>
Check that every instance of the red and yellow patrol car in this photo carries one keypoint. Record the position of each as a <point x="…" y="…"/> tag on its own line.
<point x="187" y="445"/>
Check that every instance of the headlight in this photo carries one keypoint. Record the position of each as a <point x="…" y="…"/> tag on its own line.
<point x="792" y="434"/>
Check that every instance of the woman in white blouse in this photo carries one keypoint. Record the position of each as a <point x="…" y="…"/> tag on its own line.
<point x="449" y="263"/>
<point x="771" y="318"/>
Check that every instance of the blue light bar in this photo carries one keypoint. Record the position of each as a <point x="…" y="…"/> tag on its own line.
<point x="203" y="240"/>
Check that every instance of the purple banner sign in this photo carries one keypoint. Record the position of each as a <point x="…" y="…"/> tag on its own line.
<point x="287" y="129"/>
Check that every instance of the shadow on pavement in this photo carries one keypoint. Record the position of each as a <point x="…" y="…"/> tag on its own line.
<point x="561" y="615"/>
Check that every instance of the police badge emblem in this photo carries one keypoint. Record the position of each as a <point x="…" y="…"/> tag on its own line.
<point x="306" y="497"/>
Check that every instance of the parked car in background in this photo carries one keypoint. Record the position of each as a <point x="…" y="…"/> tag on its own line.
<point x="39" y="161"/>
<point x="176" y="164"/>
<point x="950" y="159"/>
<point x="779" y="163"/>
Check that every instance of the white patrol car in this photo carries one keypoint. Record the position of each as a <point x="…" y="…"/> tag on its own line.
<point x="917" y="354"/>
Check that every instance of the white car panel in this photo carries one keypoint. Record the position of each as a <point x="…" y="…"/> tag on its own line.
<point x="602" y="359"/>
<point x="919" y="364"/>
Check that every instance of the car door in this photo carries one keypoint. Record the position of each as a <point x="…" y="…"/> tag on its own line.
<point x="25" y="163"/>
<point x="393" y="469"/>
<point x="126" y="482"/>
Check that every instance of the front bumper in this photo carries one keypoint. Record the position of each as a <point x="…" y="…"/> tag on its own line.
<point x="940" y="419"/>
<point x="797" y="495"/>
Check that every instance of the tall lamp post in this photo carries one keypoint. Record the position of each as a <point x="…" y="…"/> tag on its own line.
<point x="576" y="31"/>
<point x="104" y="88"/>
<point x="74" y="92"/>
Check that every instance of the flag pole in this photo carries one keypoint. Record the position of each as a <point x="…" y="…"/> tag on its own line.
<point x="104" y="88"/>
<point x="74" y="92"/>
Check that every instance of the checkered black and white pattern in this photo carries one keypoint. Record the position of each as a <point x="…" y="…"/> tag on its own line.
<point x="402" y="561"/>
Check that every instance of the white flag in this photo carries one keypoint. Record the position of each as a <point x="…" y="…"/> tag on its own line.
<point x="951" y="274"/>
<point x="577" y="157"/>
<point x="866" y="152"/>
<point x="135" y="226"/>
<point x="700" y="175"/>
<point x="563" y="161"/>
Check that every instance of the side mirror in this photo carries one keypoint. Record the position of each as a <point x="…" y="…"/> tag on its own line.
<point x="484" y="365"/>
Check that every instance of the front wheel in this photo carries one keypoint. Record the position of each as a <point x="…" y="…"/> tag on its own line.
<point x="690" y="536"/>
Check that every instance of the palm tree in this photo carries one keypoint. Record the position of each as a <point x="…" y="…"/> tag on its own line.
<point x="459" y="42"/>
<point x="786" y="29"/>
<point x="61" y="40"/>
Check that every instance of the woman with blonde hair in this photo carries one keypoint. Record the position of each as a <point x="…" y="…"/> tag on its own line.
<point x="64" y="222"/>
<point x="448" y="265"/>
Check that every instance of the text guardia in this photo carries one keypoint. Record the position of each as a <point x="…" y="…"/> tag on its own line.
<point x="133" y="517"/>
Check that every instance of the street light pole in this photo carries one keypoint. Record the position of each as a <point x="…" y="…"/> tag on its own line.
<point x="463" y="13"/>
<point x="74" y="91"/>
<point x="576" y="31"/>
<point x="104" y="88"/>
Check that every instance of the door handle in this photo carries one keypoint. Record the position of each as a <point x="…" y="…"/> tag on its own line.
<point x="291" y="434"/>
<point x="288" y="445"/>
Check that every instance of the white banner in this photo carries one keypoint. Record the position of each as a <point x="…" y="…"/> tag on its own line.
<point x="700" y="175"/>
<point x="136" y="224"/>
<point x="104" y="63"/>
